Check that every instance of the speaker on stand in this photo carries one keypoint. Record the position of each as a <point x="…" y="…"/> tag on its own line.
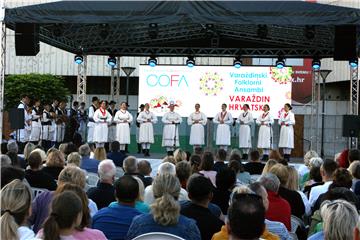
<point x="351" y="128"/>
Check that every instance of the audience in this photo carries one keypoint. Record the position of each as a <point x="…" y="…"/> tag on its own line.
<point x="242" y="177"/>
<point x="179" y="155"/>
<point x="255" y="166"/>
<point x="225" y="181"/>
<point x="115" y="154"/>
<point x="144" y="168"/>
<point x="220" y="160"/>
<point x="74" y="159"/>
<point x="100" y="153"/>
<point x="29" y="147"/>
<point x="139" y="204"/>
<point x="54" y="164"/>
<point x="206" y="167"/>
<point x="183" y="172"/>
<point x="12" y="152"/>
<point x="103" y="193"/>
<point x="275" y="155"/>
<point x="195" y="161"/>
<point x="165" y="212"/>
<point x="354" y="155"/>
<point x="268" y="165"/>
<point x="305" y="169"/>
<point x="130" y="166"/>
<point x="314" y="178"/>
<point x="87" y="163"/>
<point x="354" y="170"/>
<point x="5" y="160"/>
<point x="10" y="173"/>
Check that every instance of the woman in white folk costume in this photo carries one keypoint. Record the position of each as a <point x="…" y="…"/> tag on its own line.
<point x="287" y="121"/>
<point x="28" y="123"/>
<point x="123" y="120"/>
<point x="140" y="149"/>
<point x="101" y="118"/>
<point x="146" y="131"/>
<point x="197" y="120"/>
<point x="48" y="132"/>
<point x="91" y="123"/>
<point x="223" y="134"/>
<point x="36" y="123"/>
<point x="245" y="120"/>
<point x="265" y="121"/>
<point x="112" y="125"/>
<point x="171" y="121"/>
<point x="61" y="118"/>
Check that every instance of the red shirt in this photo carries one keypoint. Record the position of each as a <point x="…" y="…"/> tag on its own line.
<point x="279" y="210"/>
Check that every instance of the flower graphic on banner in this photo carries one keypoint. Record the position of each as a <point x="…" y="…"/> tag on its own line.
<point x="211" y="84"/>
<point x="280" y="111"/>
<point x="281" y="75"/>
<point x="160" y="104"/>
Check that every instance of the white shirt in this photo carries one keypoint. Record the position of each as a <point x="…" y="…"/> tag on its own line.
<point x="317" y="191"/>
<point x="26" y="233"/>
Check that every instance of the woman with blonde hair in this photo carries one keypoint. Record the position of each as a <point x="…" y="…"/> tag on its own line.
<point x="179" y="155"/>
<point x="15" y="209"/>
<point x="74" y="159"/>
<point x="29" y="147"/>
<point x="165" y="212"/>
<point x="269" y="164"/>
<point x="55" y="163"/>
<point x="100" y="153"/>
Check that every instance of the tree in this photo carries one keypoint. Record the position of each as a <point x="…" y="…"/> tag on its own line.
<point x="45" y="87"/>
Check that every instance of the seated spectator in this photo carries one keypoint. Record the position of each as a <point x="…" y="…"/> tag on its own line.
<point x="354" y="170"/>
<point x="70" y="148"/>
<point x="275" y="155"/>
<point x="74" y="159"/>
<point x="164" y="168"/>
<point x="255" y="166"/>
<point x="63" y="220"/>
<point x="35" y="176"/>
<point x="87" y="163"/>
<point x="55" y="163"/>
<point x="165" y="212"/>
<point x="220" y="160"/>
<point x="103" y="193"/>
<point x="13" y="150"/>
<point x="10" y="173"/>
<point x="130" y="166"/>
<point x="15" y="209"/>
<point x="268" y="165"/>
<point x="235" y="155"/>
<point x="279" y="209"/>
<point x="169" y="159"/>
<point x="195" y="161"/>
<point x="139" y="204"/>
<point x="100" y="153"/>
<point x="183" y="172"/>
<point x="241" y="176"/>
<point x="62" y="147"/>
<point x="114" y="221"/>
<point x="304" y="170"/>
<point x="206" y="167"/>
<point x="291" y="196"/>
<point x="115" y="154"/>
<point x="354" y="155"/>
<point x="144" y="168"/>
<point x="225" y="181"/>
<point x="5" y="160"/>
<point x="179" y="155"/>
<point x="339" y="220"/>
<point x="327" y="170"/>
<point x="29" y="147"/>
<point x="314" y="178"/>
<point x="200" y="192"/>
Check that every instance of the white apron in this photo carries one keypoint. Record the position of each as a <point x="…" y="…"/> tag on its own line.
<point x="146" y="130"/>
<point x="223" y="134"/>
<point x="123" y="120"/>
<point x="171" y="131"/>
<point x="197" y="129"/>
<point x="287" y="130"/>
<point x="265" y="131"/>
<point x="245" y="119"/>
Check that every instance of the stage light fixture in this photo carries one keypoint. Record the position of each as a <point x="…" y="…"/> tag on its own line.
<point x="79" y="59"/>
<point x="237" y="62"/>
<point x="112" y="61"/>
<point x="316" y="64"/>
<point x="152" y="62"/>
<point x="354" y="62"/>
<point x="280" y="63"/>
<point x="190" y="62"/>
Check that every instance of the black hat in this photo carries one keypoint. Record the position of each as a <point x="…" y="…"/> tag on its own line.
<point x="94" y="99"/>
<point x="112" y="102"/>
<point x="142" y="105"/>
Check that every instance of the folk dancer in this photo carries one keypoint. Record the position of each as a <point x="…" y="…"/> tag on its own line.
<point x="223" y="134"/>
<point x="265" y="121"/>
<point x="197" y="120"/>
<point x="245" y="120"/>
<point x="123" y="120"/>
<point x="287" y="121"/>
<point x="146" y="119"/>
<point x="171" y="121"/>
<point x="102" y="119"/>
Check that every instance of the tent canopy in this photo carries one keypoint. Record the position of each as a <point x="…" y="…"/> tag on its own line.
<point x="182" y="28"/>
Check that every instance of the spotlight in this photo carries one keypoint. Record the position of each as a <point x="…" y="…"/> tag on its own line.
<point x="190" y="62"/>
<point x="78" y="59"/>
<point x="237" y="62"/>
<point x="280" y="63"/>
<point x="262" y="31"/>
<point x="152" y="62"/>
<point x="354" y="63"/>
<point x="112" y="61"/>
<point x="316" y="64"/>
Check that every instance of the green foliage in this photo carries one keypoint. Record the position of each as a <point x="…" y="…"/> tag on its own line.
<point x="45" y="87"/>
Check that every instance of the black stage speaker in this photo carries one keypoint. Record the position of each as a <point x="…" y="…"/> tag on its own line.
<point x="27" y="39"/>
<point x="345" y="42"/>
<point x="351" y="125"/>
<point x="16" y="117"/>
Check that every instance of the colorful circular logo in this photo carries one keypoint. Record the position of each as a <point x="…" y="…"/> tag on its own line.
<point x="282" y="75"/>
<point x="211" y="84"/>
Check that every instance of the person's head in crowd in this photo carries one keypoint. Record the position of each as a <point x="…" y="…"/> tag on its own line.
<point x="179" y="155"/>
<point x="86" y="218"/>
<point x="270" y="182"/>
<point x="5" y="160"/>
<point x="309" y="155"/>
<point x="100" y="153"/>
<point x="207" y="161"/>
<point x="188" y="155"/>
<point x="315" y="174"/>
<point x="354" y="169"/>
<point x="238" y="190"/>
<point x="235" y="152"/>
<point x="144" y="167"/>
<point x="25" y="99"/>
<point x="255" y="156"/>
<point x="195" y="161"/>
<point x="141" y="189"/>
<point x="169" y="159"/>
<point x="95" y="100"/>
<point x="293" y="180"/>
<point x="357" y="231"/>
<point x="246" y="217"/>
<point x="41" y="152"/>
<point x="107" y="171"/>
<point x="55" y="159"/>
<point x="260" y="190"/>
<point x="12" y="147"/>
<point x="35" y="161"/>
<point x="130" y="164"/>
<point x="92" y="147"/>
<point x="84" y="150"/>
<point x="225" y="179"/>
<point x="126" y="190"/>
<point x="275" y="154"/>
<point x="315" y="162"/>
<point x="166" y="209"/>
<point x="62" y="148"/>
<point x="268" y="165"/>
<point x="10" y="173"/>
<point x="50" y="150"/>
<point x="73" y="175"/>
<point x="115" y="146"/>
<point x="15" y="208"/>
<point x="342" y="193"/>
<point x="200" y="190"/>
<point x="354" y="154"/>
<point x="29" y="147"/>
<point x="337" y="157"/>
<point x="183" y="172"/>
<point x="327" y="170"/>
<point x="339" y="219"/>
<point x="74" y="158"/>
<point x="62" y="217"/>
<point x="198" y="151"/>
<point x="14" y="159"/>
<point x="342" y="178"/>
<point x="236" y="166"/>
<point x="70" y="148"/>
<point x="281" y="172"/>
<point x="235" y="157"/>
<point x="221" y="155"/>
<point x="166" y="168"/>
